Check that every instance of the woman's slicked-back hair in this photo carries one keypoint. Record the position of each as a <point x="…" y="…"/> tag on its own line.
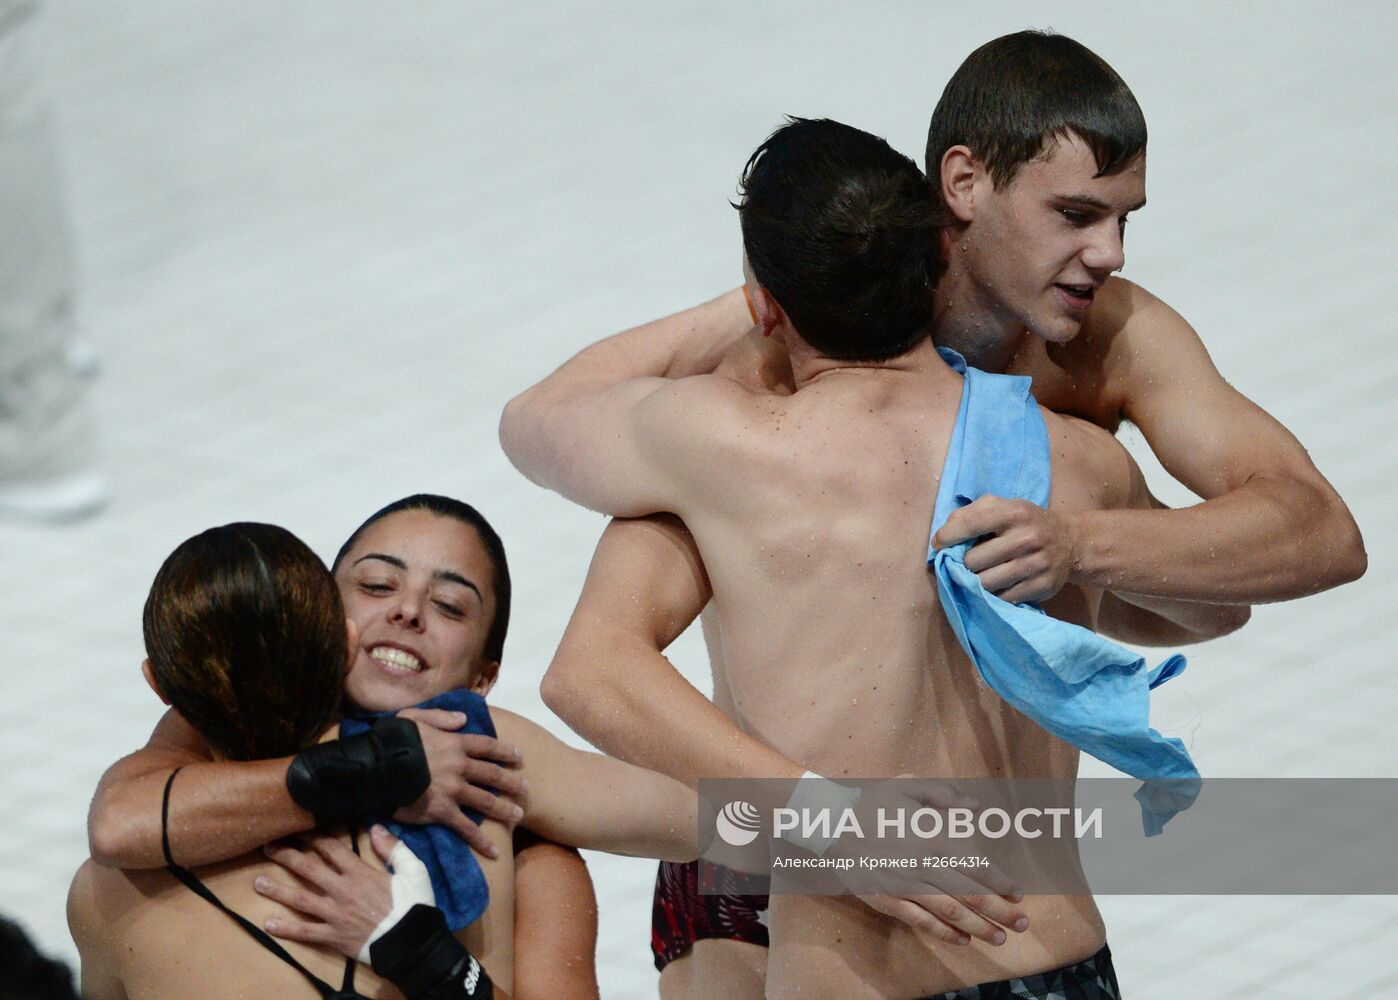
<point x="841" y="229"/>
<point x="1015" y="94"/>
<point x="457" y="510"/>
<point x="246" y="637"/>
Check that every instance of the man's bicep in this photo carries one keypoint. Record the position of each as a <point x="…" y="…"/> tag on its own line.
<point x="598" y="449"/>
<point x="633" y="449"/>
<point x="1206" y="433"/>
<point x="646" y="579"/>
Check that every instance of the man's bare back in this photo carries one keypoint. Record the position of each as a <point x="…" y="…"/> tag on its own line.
<point x="836" y="652"/>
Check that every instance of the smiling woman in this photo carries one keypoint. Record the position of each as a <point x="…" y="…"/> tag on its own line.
<point x="432" y="602"/>
<point x="425" y="591"/>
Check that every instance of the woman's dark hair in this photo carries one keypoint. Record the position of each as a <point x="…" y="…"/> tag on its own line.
<point x="1014" y="94"/>
<point x="457" y="510"/>
<point x="841" y="229"/>
<point x="246" y="637"/>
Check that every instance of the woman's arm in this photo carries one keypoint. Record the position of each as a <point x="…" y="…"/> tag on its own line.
<point x="555" y="921"/>
<point x="593" y="801"/>
<point x="223" y="810"/>
<point x="227" y="808"/>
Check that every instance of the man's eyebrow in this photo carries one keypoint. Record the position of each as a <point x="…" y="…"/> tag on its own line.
<point x="451" y="577"/>
<point x="391" y="560"/>
<point x="1090" y="201"/>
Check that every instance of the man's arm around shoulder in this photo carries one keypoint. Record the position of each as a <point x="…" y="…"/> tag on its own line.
<point x="613" y="427"/>
<point x="1146" y="621"/>
<point x="1271" y="527"/>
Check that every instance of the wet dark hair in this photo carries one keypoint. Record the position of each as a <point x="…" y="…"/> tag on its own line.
<point x="457" y="510"/>
<point x="246" y="636"/>
<point x="1014" y="95"/>
<point x="841" y="229"/>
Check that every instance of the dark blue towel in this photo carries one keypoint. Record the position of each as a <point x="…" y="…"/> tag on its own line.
<point x="1079" y="686"/>
<point x="457" y="879"/>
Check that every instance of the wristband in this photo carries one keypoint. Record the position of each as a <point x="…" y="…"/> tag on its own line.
<point x="422" y="958"/>
<point x="811" y="795"/>
<point x="410" y="885"/>
<point x="371" y="774"/>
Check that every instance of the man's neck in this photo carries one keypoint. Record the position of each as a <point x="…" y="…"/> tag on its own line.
<point x="966" y="319"/>
<point x="809" y="366"/>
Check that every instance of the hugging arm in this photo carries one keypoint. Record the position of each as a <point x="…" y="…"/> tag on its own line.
<point x="610" y="680"/>
<point x="1271" y="527"/>
<point x="387" y="920"/>
<point x="588" y="431"/>
<point x="589" y="800"/>
<point x="227" y="808"/>
<point x="1155" y="621"/>
<point x="224" y="809"/>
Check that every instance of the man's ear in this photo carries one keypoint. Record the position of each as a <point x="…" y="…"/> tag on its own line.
<point x="766" y="314"/>
<point x="764" y="307"/>
<point x="351" y="643"/>
<point x="960" y="172"/>
<point x="486" y="677"/>
<point x="149" y="675"/>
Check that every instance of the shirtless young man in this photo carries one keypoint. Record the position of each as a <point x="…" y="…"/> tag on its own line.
<point x="814" y="536"/>
<point x="424" y="583"/>
<point x="1011" y="156"/>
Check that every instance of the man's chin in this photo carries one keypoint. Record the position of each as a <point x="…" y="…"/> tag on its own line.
<point x="1058" y="330"/>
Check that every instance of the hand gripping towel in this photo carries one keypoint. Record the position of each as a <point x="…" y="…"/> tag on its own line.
<point x="457" y="879"/>
<point x="1081" y="687"/>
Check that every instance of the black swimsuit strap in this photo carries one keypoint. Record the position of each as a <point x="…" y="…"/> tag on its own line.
<point x="347" y="984"/>
<point x="194" y="885"/>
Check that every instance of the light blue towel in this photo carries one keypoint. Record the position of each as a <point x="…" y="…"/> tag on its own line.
<point x="1079" y="686"/>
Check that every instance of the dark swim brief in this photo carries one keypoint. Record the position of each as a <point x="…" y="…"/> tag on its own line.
<point x="699" y="900"/>
<point x="1091" y="979"/>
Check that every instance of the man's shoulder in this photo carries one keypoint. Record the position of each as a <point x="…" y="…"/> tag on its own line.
<point x="1091" y="468"/>
<point x="725" y="391"/>
<point x="718" y="420"/>
<point x="1129" y="341"/>
<point x="1122" y="314"/>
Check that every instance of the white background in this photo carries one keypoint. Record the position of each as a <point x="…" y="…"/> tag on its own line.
<point x="323" y="243"/>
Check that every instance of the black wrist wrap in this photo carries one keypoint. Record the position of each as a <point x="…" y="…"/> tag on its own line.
<point x="371" y="774"/>
<point x="422" y="958"/>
